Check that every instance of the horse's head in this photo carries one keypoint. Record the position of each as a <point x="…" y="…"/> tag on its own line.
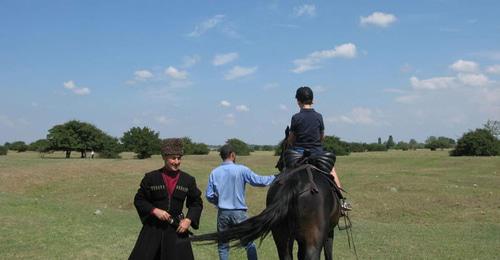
<point x="283" y="147"/>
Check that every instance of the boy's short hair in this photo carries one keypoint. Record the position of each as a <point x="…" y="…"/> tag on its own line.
<point x="225" y="151"/>
<point x="304" y="95"/>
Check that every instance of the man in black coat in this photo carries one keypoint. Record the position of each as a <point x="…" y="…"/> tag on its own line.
<point x="160" y="201"/>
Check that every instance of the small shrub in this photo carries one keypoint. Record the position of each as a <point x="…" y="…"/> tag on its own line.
<point x="3" y="150"/>
<point x="357" y="147"/>
<point x="375" y="147"/>
<point x="480" y="142"/>
<point x="18" y="146"/>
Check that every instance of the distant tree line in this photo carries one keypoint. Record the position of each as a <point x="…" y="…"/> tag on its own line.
<point x="82" y="137"/>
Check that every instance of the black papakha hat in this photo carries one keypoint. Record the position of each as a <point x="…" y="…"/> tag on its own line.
<point x="172" y="146"/>
<point x="304" y="94"/>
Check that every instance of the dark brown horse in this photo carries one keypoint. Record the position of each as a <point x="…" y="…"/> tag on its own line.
<point x="300" y="206"/>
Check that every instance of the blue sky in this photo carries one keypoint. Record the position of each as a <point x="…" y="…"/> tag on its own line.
<point x="214" y="70"/>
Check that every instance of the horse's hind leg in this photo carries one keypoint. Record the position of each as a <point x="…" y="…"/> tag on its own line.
<point x="283" y="241"/>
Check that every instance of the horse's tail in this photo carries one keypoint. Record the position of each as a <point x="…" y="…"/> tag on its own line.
<point x="260" y="225"/>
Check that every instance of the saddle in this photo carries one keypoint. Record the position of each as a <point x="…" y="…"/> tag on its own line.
<point x="324" y="161"/>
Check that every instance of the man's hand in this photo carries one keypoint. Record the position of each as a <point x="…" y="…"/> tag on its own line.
<point x="161" y="214"/>
<point x="184" y="225"/>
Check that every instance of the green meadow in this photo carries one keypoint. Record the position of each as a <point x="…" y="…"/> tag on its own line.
<point x="407" y="205"/>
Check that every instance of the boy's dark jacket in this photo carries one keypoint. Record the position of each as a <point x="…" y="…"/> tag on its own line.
<point x="158" y="236"/>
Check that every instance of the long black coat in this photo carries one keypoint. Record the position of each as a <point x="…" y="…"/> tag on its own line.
<point x="158" y="239"/>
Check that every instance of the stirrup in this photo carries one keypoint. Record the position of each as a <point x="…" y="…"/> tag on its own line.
<point x="345" y="206"/>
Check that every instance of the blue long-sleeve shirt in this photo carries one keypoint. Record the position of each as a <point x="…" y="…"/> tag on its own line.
<point x="226" y="185"/>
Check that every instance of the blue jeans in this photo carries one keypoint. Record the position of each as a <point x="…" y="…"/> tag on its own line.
<point x="226" y="218"/>
<point x="314" y="150"/>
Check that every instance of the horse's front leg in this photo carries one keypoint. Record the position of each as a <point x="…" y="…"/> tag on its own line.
<point x="283" y="241"/>
<point x="328" y="245"/>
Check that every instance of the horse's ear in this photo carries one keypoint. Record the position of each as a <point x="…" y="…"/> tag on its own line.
<point x="287" y="131"/>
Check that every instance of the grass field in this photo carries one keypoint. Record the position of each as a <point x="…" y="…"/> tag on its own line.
<point x="407" y="205"/>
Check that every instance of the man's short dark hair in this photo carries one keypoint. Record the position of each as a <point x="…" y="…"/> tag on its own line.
<point x="225" y="151"/>
<point x="304" y="95"/>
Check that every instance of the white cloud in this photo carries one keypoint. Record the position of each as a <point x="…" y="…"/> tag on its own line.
<point x="305" y="10"/>
<point x="81" y="91"/>
<point x="242" y="108"/>
<point x="433" y="83"/>
<point x="378" y="19"/>
<point x="6" y="121"/>
<point x="473" y="79"/>
<point x="358" y="116"/>
<point x="164" y="93"/>
<point x="190" y="61"/>
<point x="495" y="69"/>
<point x="143" y="74"/>
<point x="493" y="55"/>
<point x="175" y="73"/>
<point x="269" y="86"/>
<point x="406" y="68"/>
<point x="75" y="89"/>
<point x="229" y="120"/>
<point x="13" y="123"/>
<point x="319" y="89"/>
<point x="394" y="90"/>
<point x="408" y="99"/>
<point x="221" y="59"/>
<point x="136" y="121"/>
<point x="163" y="120"/>
<point x="464" y="66"/>
<point x="312" y="60"/>
<point x="230" y="31"/>
<point x="69" y="84"/>
<point x="206" y="25"/>
<point x="283" y="107"/>
<point x="225" y="103"/>
<point x="238" y="72"/>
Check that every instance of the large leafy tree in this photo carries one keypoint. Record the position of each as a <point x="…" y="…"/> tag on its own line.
<point x="18" y="146"/>
<point x="41" y="145"/>
<point x="494" y="127"/>
<point x="390" y="143"/>
<point x="480" y="142"/>
<point x="413" y="144"/>
<point x="402" y="146"/>
<point x="63" y="137"/>
<point x="76" y="136"/>
<point x="143" y="141"/>
<point x="110" y="147"/>
<point x="194" y="148"/>
<point x="335" y="145"/>
<point x="441" y="142"/>
<point x="240" y="147"/>
<point x="431" y="143"/>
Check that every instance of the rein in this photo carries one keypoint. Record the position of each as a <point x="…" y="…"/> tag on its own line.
<point x="348" y="229"/>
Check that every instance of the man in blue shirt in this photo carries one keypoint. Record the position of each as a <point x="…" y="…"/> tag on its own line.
<point x="226" y="190"/>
